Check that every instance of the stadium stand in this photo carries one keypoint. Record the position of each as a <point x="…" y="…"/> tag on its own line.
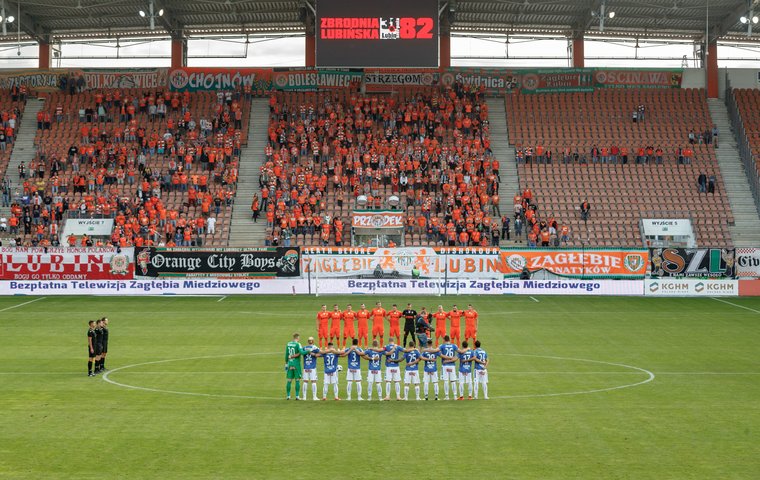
<point x="748" y="101"/>
<point x="570" y="149"/>
<point x="161" y="164"/>
<point x="12" y="105"/>
<point x="428" y="147"/>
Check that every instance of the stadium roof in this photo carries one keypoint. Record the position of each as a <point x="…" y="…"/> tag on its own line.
<point x="53" y="20"/>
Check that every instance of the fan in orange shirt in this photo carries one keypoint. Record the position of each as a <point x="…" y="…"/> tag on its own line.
<point x="378" y="315"/>
<point x="362" y="323"/>
<point x="395" y="327"/>
<point x="470" y="323"/>
<point x="348" y="324"/>
<point x="440" y="323"/>
<point x="335" y="317"/>
<point x="323" y="316"/>
<point x="455" y="332"/>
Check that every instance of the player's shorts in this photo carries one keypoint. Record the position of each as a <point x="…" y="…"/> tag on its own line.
<point x="331" y="378"/>
<point x="378" y="331"/>
<point x="335" y="332"/>
<point x="431" y="377"/>
<point x="293" y="373"/>
<point x="470" y="332"/>
<point x="481" y="376"/>
<point x="374" y="376"/>
<point x="363" y="333"/>
<point x="349" y="333"/>
<point x="322" y="332"/>
<point x="440" y="331"/>
<point x="105" y="348"/>
<point x="410" y="376"/>
<point x="98" y="350"/>
<point x="354" y="375"/>
<point x="310" y="374"/>
<point x="392" y="374"/>
<point x="465" y="377"/>
<point x="449" y="373"/>
<point x="395" y="331"/>
<point x="91" y="354"/>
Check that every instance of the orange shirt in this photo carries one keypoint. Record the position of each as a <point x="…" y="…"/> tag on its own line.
<point x="440" y="320"/>
<point x="348" y="319"/>
<point x="470" y="317"/>
<point x="455" y="319"/>
<point x="394" y="316"/>
<point x="362" y="316"/>
<point x="322" y="318"/>
<point x="336" y="317"/>
<point x="378" y="314"/>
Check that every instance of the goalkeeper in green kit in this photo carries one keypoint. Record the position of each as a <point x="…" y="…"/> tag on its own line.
<point x="293" y="352"/>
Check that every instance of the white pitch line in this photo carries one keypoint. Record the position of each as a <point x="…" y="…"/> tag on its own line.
<point x="22" y="304"/>
<point x="735" y="305"/>
<point x="225" y="296"/>
<point x="534" y="299"/>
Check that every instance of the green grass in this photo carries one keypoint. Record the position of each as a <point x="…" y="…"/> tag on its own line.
<point x="699" y="418"/>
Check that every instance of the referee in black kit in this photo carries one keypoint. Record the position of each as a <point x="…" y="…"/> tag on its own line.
<point x="98" y="344"/>
<point x="91" y="347"/>
<point x="103" y="342"/>
<point x="410" y="317"/>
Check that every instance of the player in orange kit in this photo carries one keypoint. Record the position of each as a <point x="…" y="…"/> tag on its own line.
<point x="335" y="317"/>
<point x="362" y="323"/>
<point x="323" y="316"/>
<point x="378" y="316"/>
<point x="455" y="332"/>
<point x="348" y="324"/>
<point x="470" y="323"/>
<point x="440" y="323"/>
<point x="395" y="326"/>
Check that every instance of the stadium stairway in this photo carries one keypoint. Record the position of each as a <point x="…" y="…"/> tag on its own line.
<point x="243" y="231"/>
<point x="505" y="153"/>
<point x="23" y="150"/>
<point x="746" y="229"/>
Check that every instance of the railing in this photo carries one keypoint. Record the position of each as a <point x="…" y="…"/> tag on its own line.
<point x="742" y="145"/>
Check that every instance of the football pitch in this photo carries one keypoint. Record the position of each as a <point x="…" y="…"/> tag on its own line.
<point x="581" y="388"/>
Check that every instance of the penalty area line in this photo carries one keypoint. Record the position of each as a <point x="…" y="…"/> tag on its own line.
<point x="22" y="304"/>
<point x="223" y="297"/>
<point x="534" y="299"/>
<point x="728" y="303"/>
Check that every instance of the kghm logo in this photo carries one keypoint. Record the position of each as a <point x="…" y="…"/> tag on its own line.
<point x="699" y="287"/>
<point x="654" y="286"/>
<point x="376" y="28"/>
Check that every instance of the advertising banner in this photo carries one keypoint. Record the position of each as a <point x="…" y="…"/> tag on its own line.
<point x="491" y="79"/>
<point x="436" y="263"/>
<point x="378" y="218"/>
<point x="748" y="262"/>
<point x="195" y="79"/>
<point x="588" y="263"/>
<point x="132" y="78"/>
<point x="693" y="262"/>
<point x="386" y="80"/>
<point x="41" y="80"/>
<point x="221" y="262"/>
<point x="690" y="287"/>
<point x="66" y="263"/>
<point x="557" y="80"/>
<point x="637" y="78"/>
<point x="310" y="80"/>
<point x="187" y="286"/>
<point x="390" y="33"/>
<point x="477" y="287"/>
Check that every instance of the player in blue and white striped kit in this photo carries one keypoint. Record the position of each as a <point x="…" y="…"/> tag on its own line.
<point x="393" y="355"/>
<point x="430" y="358"/>
<point x="481" y="374"/>
<point x="412" y="371"/>
<point x="354" y="374"/>
<point x="374" y="356"/>
<point x="309" y="368"/>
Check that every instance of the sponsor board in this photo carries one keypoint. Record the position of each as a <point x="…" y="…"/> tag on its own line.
<point x="690" y="287"/>
<point x="186" y="286"/>
<point x="439" y="263"/>
<point x="66" y="263"/>
<point x="477" y="287"/>
<point x="637" y="78"/>
<point x="134" y="78"/>
<point x="594" y="263"/>
<point x="221" y="262"/>
<point x="490" y="80"/>
<point x="693" y="262"/>
<point x="310" y="80"/>
<point x="209" y="79"/>
<point x="557" y="80"/>
<point x="390" y="79"/>
<point x="748" y="262"/>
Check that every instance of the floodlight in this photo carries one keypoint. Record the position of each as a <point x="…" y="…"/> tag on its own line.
<point x="743" y="19"/>
<point x="754" y="19"/>
<point x="11" y="18"/>
<point x="161" y="13"/>
<point x="142" y="13"/>
<point x="612" y="14"/>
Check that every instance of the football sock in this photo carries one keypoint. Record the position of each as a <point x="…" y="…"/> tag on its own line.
<point x="485" y="390"/>
<point x="305" y="390"/>
<point x="461" y="389"/>
<point x="454" y="389"/>
<point x="477" y="387"/>
<point x="406" y="391"/>
<point x="398" y="389"/>
<point x="335" y="389"/>
<point x="349" y="387"/>
<point x="359" y="389"/>
<point x="103" y="363"/>
<point x="298" y="388"/>
<point x="469" y="389"/>
<point x="287" y="387"/>
<point x="426" y="388"/>
<point x="435" y="388"/>
<point x="89" y="367"/>
<point x="314" y="390"/>
<point x="417" y="391"/>
<point x="387" y="389"/>
<point x="369" y="391"/>
<point x="446" y="388"/>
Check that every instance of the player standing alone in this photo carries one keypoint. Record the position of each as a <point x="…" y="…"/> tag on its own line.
<point x="481" y="374"/>
<point x="90" y="347"/>
<point x="293" y="366"/>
